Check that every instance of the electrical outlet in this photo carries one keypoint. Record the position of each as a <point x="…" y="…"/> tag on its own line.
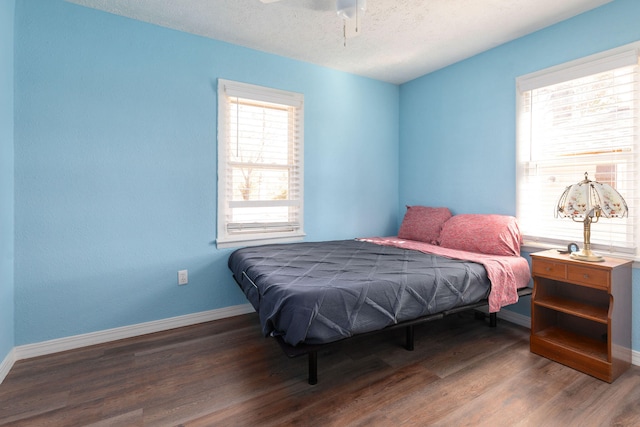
<point x="183" y="277"/>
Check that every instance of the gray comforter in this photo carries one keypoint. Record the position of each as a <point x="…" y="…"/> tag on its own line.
<point x="321" y="292"/>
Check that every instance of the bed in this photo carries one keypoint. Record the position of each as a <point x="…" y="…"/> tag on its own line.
<point x="311" y="294"/>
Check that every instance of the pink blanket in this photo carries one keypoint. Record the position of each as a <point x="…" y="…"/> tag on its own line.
<point x="506" y="273"/>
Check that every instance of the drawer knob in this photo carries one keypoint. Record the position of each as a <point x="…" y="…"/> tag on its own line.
<point x="586" y="276"/>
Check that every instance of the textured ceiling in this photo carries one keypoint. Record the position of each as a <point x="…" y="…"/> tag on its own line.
<point x="398" y="40"/>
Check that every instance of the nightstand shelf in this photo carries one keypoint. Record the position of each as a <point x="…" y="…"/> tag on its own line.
<point x="581" y="313"/>
<point x="575" y="308"/>
<point x="575" y="342"/>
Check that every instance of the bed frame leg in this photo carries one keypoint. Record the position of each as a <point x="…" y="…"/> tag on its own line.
<point x="409" y="337"/>
<point x="313" y="367"/>
<point x="493" y="320"/>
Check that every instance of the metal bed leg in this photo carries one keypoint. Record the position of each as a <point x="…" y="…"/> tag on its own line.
<point x="493" y="320"/>
<point x="409" y="337"/>
<point x="313" y="367"/>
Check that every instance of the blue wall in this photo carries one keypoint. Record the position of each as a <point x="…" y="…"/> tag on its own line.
<point x="7" y="8"/>
<point x="457" y="125"/>
<point x="115" y="166"/>
<point x="115" y="156"/>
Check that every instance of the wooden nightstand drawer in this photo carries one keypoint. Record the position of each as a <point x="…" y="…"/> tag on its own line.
<point x="589" y="276"/>
<point x="554" y="270"/>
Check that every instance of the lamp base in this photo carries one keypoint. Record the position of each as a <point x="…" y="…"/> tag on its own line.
<point x="586" y="256"/>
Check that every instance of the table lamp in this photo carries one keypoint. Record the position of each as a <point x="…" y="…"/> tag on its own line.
<point x="586" y="202"/>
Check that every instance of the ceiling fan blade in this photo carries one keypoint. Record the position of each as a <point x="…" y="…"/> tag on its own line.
<point x="269" y="1"/>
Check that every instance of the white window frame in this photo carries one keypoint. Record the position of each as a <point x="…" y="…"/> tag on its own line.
<point x="234" y="234"/>
<point x="605" y="61"/>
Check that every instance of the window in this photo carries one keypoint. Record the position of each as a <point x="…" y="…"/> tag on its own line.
<point x="260" y="175"/>
<point x="576" y="118"/>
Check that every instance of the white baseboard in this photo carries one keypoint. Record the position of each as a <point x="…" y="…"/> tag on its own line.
<point x="69" y="343"/>
<point x="518" y="319"/>
<point x="7" y="364"/>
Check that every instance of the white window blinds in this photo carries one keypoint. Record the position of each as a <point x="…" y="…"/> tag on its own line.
<point x="571" y="120"/>
<point x="260" y="177"/>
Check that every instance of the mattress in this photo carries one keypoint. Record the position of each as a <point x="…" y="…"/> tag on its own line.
<point x="320" y="292"/>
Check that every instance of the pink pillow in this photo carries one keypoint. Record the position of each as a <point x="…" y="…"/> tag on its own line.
<point x="487" y="234"/>
<point x="423" y="224"/>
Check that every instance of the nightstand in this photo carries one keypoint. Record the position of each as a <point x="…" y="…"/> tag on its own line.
<point x="581" y="313"/>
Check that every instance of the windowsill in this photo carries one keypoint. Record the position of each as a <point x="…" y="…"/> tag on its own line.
<point x="258" y="240"/>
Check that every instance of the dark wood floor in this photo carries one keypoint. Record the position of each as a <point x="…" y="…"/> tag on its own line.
<point x="462" y="372"/>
